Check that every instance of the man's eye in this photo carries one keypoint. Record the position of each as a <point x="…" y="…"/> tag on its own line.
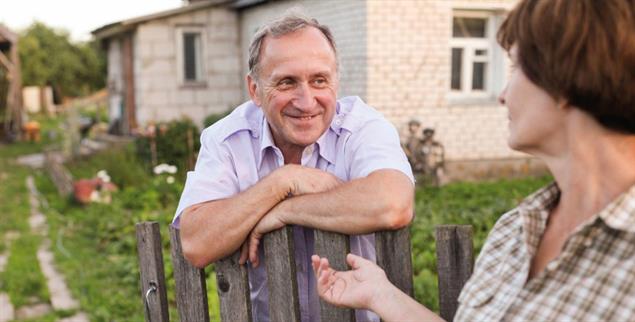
<point x="285" y="83"/>
<point x="320" y="82"/>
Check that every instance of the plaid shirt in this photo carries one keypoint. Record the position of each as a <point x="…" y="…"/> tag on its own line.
<point x="593" y="278"/>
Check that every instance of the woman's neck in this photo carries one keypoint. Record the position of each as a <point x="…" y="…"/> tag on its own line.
<point x="593" y="168"/>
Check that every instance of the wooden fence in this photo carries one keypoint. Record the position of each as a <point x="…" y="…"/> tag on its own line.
<point x="454" y="264"/>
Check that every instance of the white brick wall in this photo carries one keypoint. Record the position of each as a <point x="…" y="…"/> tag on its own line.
<point x="345" y="18"/>
<point x="159" y="95"/>
<point x="409" y="76"/>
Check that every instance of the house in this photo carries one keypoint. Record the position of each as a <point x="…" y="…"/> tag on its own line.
<point x="435" y="61"/>
<point x="10" y="85"/>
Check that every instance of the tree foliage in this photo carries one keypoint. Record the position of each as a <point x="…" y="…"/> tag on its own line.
<point x="49" y="57"/>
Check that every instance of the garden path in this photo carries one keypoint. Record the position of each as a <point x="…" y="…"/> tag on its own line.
<point x="61" y="298"/>
<point x="7" y="313"/>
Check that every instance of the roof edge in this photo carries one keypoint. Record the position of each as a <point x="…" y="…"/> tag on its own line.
<point x="116" y="28"/>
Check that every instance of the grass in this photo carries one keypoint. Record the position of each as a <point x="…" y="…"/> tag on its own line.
<point x="22" y="279"/>
<point x="477" y="204"/>
<point x="95" y="246"/>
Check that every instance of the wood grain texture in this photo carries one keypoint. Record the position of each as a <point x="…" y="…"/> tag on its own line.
<point x="333" y="246"/>
<point x="233" y="289"/>
<point x="191" y="288"/>
<point x="152" y="272"/>
<point x="394" y="257"/>
<point x="284" y="305"/>
<point x="454" y="264"/>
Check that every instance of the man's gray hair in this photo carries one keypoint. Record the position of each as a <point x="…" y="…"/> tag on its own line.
<point x="289" y="22"/>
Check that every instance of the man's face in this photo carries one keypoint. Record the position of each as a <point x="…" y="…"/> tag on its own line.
<point x="296" y="87"/>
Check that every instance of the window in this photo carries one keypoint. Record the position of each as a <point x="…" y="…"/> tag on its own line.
<point x="190" y="56"/>
<point x="473" y="50"/>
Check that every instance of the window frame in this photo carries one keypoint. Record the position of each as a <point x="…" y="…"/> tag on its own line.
<point x="201" y="66"/>
<point x="494" y="75"/>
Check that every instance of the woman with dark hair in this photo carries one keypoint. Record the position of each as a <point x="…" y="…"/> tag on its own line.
<point x="567" y="252"/>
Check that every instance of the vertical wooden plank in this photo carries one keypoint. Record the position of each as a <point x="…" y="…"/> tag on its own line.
<point x="153" y="292"/>
<point x="333" y="246"/>
<point x="454" y="265"/>
<point x="191" y="288"/>
<point x="394" y="257"/>
<point x="282" y="283"/>
<point x="232" y="281"/>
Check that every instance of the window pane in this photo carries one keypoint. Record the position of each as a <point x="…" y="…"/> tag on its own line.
<point x="463" y="27"/>
<point x="457" y="59"/>
<point x="478" y="76"/>
<point x="191" y="52"/>
<point x="480" y="52"/>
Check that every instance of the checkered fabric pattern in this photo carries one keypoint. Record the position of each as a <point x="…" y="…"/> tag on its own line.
<point x="593" y="279"/>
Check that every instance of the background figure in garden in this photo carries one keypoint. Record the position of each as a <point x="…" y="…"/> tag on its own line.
<point x="567" y="252"/>
<point x="293" y="155"/>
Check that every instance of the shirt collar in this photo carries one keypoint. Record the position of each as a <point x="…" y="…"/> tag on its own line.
<point x="620" y="213"/>
<point x="266" y="141"/>
<point x="534" y="210"/>
<point x="326" y="143"/>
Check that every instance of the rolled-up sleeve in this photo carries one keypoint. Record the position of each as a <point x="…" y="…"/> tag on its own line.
<point x="376" y="146"/>
<point x="213" y="178"/>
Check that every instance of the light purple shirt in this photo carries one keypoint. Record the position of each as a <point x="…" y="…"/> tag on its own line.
<point x="238" y="151"/>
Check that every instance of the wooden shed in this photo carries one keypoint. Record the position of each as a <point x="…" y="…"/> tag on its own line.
<point x="10" y="85"/>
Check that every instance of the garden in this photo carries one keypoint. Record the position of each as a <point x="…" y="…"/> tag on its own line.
<point x="95" y="246"/>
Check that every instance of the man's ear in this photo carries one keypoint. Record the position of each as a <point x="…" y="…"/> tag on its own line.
<point x="252" y="87"/>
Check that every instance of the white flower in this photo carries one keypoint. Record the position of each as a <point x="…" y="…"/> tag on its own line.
<point x="103" y="175"/>
<point x="164" y="168"/>
<point x="169" y="179"/>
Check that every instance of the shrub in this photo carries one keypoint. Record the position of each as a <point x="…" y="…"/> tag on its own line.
<point x="173" y="146"/>
<point x="214" y="117"/>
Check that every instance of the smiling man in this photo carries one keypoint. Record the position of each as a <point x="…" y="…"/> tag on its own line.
<point x="294" y="155"/>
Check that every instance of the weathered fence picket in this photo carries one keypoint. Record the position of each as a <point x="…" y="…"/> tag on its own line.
<point x="282" y="283"/>
<point x="153" y="291"/>
<point x="454" y="265"/>
<point x="191" y="289"/>
<point x="333" y="246"/>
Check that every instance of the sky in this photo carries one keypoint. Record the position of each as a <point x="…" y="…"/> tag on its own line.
<point x="79" y="17"/>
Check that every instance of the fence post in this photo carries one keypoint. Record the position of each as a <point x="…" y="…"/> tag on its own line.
<point x="191" y="288"/>
<point x="333" y="246"/>
<point x="233" y="289"/>
<point x="454" y="265"/>
<point x="394" y="257"/>
<point x="153" y="292"/>
<point x="281" y="275"/>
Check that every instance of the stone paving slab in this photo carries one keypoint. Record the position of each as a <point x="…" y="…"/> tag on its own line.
<point x="32" y="160"/>
<point x="61" y="298"/>
<point x="7" y="313"/>
<point x="32" y="311"/>
<point x="79" y="317"/>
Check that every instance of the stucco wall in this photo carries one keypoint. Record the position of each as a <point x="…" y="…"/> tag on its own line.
<point x="159" y="94"/>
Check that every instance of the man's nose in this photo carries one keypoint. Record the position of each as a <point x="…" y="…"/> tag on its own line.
<point x="304" y="98"/>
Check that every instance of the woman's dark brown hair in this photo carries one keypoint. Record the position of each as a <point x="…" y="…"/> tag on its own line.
<point x="582" y="51"/>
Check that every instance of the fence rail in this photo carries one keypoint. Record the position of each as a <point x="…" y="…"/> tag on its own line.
<point x="454" y="264"/>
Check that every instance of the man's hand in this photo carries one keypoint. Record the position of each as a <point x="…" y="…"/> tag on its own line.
<point x="268" y="223"/>
<point x="357" y="288"/>
<point x="303" y="180"/>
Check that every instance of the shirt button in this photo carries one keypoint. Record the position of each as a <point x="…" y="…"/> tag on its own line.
<point x="308" y="150"/>
<point x="552" y="265"/>
<point x="338" y="122"/>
